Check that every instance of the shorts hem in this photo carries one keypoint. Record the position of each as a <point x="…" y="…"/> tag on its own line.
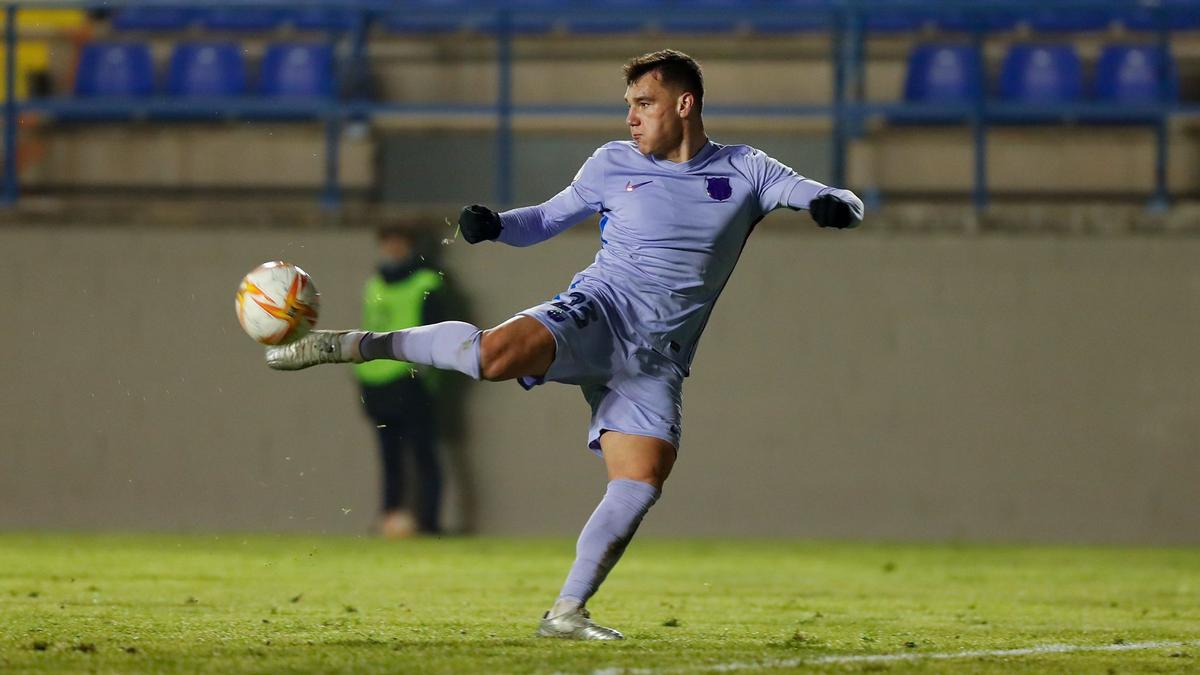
<point x="528" y="382"/>
<point x="594" y="443"/>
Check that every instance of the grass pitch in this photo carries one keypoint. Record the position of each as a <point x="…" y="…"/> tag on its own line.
<point x="274" y="604"/>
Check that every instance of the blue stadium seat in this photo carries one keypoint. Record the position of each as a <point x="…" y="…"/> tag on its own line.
<point x="115" y="69"/>
<point x="1066" y="20"/>
<point x="943" y="73"/>
<point x="796" y="16"/>
<point x="322" y="19"/>
<point x="947" y="77"/>
<point x="246" y="19"/>
<point x="1041" y="74"/>
<point x="297" y="70"/>
<point x="153" y="18"/>
<point x="1136" y="74"/>
<point x="207" y="69"/>
<point x="1181" y="15"/>
<point x="619" y="16"/>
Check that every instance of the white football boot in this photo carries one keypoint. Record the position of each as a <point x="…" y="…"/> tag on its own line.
<point x="575" y="624"/>
<point x="319" y="346"/>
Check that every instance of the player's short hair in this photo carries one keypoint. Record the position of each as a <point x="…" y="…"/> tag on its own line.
<point x="673" y="67"/>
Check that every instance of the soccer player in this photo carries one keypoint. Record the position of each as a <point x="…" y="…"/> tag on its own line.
<point x="675" y="212"/>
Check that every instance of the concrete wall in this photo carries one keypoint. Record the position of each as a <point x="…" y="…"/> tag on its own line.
<point x="192" y="156"/>
<point x="850" y="385"/>
<point x="1049" y="161"/>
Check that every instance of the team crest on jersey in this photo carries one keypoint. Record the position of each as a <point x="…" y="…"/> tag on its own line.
<point x="718" y="188"/>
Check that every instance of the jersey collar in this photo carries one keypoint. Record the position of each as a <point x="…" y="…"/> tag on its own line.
<point x="699" y="158"/>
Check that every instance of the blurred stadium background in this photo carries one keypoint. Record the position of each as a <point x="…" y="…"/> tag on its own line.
<point x="1005" y="351"/>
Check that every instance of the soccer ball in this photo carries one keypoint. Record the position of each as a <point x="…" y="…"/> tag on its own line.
<point x="277" y="303"/>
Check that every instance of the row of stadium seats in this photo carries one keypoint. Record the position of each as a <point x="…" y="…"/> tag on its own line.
<point x="936" y="72"/>
<point x="1031" y="73"/>
<point x="623" y="15"/>
<point x="291" y="70"/>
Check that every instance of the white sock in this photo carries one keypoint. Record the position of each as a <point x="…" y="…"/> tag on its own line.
<point x="450" y="345"/>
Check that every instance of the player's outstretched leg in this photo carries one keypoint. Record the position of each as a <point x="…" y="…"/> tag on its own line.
<point x="450" y="345"/>
<point x="637" y="467"/>
<point x="518" y="347"/>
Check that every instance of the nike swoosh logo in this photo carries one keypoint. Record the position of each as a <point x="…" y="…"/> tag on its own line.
<point x="630" y="186"/>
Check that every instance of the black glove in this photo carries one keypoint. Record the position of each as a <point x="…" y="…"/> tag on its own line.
<point x="829" y="211"/>
<point x="478" y="223"/>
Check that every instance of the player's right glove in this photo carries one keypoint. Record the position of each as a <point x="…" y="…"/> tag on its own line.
<point x="478" y="223"/>
<point x="829" y="211"/>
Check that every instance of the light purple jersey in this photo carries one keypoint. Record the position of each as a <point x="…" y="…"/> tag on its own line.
<point x="670" y="232"/>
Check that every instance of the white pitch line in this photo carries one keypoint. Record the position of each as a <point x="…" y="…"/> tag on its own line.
<point x="906" y="656"/>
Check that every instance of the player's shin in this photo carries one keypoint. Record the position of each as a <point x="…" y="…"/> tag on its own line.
<point x="450" y="345"/>
<point x="604" y="538"/>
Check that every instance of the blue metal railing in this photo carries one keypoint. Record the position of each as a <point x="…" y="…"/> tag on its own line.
<point x="848" y="109"/>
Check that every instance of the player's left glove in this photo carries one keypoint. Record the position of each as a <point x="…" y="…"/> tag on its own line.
<point x="479" y="223"/>
<point x="829" y="211"/>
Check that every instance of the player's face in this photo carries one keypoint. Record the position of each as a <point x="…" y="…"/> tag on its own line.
<point x="654" y="118"/>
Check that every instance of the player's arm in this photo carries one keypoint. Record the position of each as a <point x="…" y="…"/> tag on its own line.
<point x="779" y="186"/>
<point x="532" y="224"/>
<point x="527" y="225"/>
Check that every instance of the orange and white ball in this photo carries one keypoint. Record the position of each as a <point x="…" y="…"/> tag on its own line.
<point x="277" y="303"/>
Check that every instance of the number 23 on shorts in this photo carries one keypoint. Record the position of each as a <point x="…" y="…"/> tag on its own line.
<point x="580" y="308"/>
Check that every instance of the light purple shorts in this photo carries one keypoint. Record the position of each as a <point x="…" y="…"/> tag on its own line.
<point x="630" y="387"/>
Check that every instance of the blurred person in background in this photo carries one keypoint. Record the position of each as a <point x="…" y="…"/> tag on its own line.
<point x="400" y="400"/>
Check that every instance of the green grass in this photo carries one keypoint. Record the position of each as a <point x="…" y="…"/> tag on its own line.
<point x="273" y="604"/>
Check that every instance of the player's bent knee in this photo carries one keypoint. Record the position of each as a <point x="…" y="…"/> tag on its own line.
<point x="641" y="458"/>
